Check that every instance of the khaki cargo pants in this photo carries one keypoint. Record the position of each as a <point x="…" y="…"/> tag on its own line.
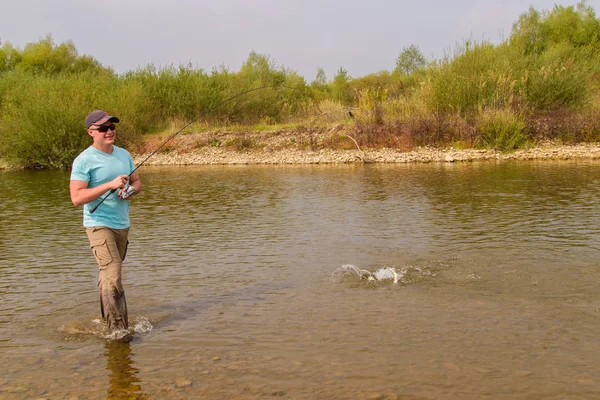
<point x="110" y="247"/>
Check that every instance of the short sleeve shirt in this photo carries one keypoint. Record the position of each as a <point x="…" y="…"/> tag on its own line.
<point x="97" y="167"/>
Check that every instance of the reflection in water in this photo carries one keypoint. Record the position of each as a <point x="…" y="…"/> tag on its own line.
<point x="123" y="380"/>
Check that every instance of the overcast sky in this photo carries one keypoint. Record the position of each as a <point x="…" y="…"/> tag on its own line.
<point x="363" y="36"/>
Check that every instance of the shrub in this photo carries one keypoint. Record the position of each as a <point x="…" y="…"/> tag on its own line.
<point x="340" y="87"/>
<point x="479" y="75"/>
<point x="501" y="129"/>
<point x="43" y="117"/>
<point x="328" y="111"/>
<point x="370" y="102"/>
<point x="556" y="80"/>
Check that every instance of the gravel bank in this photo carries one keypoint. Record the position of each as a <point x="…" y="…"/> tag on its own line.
<point x="294" y="147"/>
<point x="425" y="155"/>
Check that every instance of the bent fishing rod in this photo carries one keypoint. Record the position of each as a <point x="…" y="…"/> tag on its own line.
<point x="181" y="130"/>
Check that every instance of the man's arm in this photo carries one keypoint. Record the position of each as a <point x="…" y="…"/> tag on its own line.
<point x="80" y="194"/>
<point x="134" y="180"/>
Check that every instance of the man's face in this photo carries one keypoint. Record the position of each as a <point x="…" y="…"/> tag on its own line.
<point x="103" y="134"/>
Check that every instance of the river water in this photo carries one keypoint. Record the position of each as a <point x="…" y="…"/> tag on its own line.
<point x="272" y="281"/>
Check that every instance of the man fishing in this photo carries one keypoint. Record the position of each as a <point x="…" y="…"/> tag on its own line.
<point x="101" y="168"/>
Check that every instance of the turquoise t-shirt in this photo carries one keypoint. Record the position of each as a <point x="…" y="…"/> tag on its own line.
<point x="97" y="167"/>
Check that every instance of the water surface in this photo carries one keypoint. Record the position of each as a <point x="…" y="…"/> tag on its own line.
<point x="239" y="281"/>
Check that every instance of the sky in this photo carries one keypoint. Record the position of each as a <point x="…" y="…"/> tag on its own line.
<point x="363" y="37"/>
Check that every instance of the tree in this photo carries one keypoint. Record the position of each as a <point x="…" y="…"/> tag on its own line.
<point x="260" y="69"/>
<point x="410" y="60"/>
<point x="577" y="26"/>
<point x="528" y="33"/>
<point x="319" y="88"/>
<point x="341" y="87"/>
<point x="9" y="57"/>
<point x="536" y="32"/>
<point x="45" y="57"/>
<point x="321" y="78"/>
<point x="3" y="60"/>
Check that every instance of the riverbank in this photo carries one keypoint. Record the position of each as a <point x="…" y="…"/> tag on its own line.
<point x="303" y="147"/>
<point x="334" y="146"/>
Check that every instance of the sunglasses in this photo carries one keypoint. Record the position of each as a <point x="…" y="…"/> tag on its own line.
<point x="105" y="128"/>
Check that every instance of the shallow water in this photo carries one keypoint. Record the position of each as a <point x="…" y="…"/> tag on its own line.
<point x="242" y="283"/>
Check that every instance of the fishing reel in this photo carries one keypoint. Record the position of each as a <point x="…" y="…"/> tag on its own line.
<point x="127" y="192"/>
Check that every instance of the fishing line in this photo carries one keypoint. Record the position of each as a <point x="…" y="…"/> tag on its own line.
<point x="181" y="130"/>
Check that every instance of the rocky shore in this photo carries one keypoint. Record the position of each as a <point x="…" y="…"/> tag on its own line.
<point x="301" y="146"/>
<point x="211" y="156"/>
<point x="294" y="147"/>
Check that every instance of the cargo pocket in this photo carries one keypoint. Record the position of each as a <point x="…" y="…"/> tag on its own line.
<point x="101" y="252"/>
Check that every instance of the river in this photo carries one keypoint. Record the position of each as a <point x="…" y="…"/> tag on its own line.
<point x="416" y="281"/>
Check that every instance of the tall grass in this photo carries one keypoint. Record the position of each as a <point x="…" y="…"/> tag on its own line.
<point x="501" y="129"/>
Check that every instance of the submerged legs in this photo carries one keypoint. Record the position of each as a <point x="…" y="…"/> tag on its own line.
<point x="110" y="247"/>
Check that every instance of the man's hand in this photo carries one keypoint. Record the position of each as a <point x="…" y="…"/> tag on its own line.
<point x="127" y="193"/>
<point x="119" y="182"/>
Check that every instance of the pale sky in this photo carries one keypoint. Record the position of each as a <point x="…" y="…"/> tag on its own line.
<point x="363" y="37"/>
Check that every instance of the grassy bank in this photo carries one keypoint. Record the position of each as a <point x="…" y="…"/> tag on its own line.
<point x="540" y="84"/>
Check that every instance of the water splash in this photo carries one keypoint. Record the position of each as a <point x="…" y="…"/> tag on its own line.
<point x="385" y="274"/>
<point x="349" y="269"/>
<point x="123" y="335"/>
<point x="96" y="327"/>
<point x="142" y="325"/>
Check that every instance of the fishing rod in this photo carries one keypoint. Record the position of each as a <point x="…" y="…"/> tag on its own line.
<point x="181" y="130"/>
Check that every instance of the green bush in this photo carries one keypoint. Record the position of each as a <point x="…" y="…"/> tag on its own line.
<point x="479" y="75"/>
<point x="174" y="93"/>
<point x="370" y="102"/>
<point x="340" y="87"/>
<point x="43" y="117"/>
<point x="501" y="129"/>
<point x="185" y="93"/>
<point x="392" y="83"/>
<point x="557" y="78"/>
<point x="535" y="32"/>
<point x="46" y="57"/>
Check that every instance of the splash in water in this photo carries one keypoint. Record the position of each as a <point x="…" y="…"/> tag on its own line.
<point x="385" y="274"/>
<point x="96" y="327"/>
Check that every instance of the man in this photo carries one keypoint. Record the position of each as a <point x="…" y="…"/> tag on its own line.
<point x="99" y="169"/>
